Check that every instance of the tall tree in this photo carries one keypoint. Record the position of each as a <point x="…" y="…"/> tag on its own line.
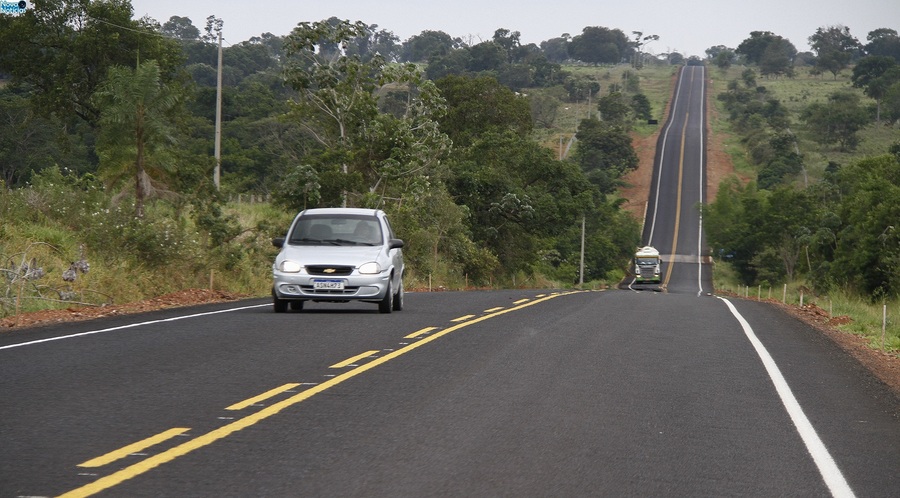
<point x="834" y="48"/>
<point x="868" y="250"/>
<point x="338" y="105"/>
<point x="604" y="153"/>
<point x="137" y="128"/>
<point x="64" y="49"/>
<point x="778" y="58"/>
<point x="599" y="45"/>
<point x="875" y="74"/>
<point x="336" y="89"/>
<point x="838" y="120"/>
<point x="556" y="49"/>
<point x="773" y="54"/>
<point x="26" y="140"/>
<point x="181" y="28"/>
<point x="884" y="42"/>
<point x="423" y="46"/>
<point x="476" y="106"/>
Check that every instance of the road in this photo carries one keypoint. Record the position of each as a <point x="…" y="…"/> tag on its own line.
<point x="503" y="393"/>
<point x="673" y="224"/>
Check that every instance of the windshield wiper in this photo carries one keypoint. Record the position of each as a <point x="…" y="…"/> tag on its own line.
<point x="307" y="240"/>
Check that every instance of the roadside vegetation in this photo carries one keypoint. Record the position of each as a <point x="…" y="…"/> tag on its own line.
<point x="818" y="142"/>
<point x="108" y="191"/>
<point x="487" y="156"/>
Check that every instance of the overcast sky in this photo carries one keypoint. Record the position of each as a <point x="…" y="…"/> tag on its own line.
<point x="685" y="26"/>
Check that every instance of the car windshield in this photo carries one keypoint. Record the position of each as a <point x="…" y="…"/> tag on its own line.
<point x="337" y="230"/>
<point x="647" y="261"/>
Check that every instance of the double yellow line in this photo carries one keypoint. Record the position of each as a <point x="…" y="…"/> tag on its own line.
<point x="182" y="449"/>
<point x="672" y="253"/>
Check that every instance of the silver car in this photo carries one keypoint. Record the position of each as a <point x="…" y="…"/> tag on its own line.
<point x="338" y="255"/>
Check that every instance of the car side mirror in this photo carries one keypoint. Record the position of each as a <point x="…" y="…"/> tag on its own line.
<point x="278" y="242"/>
<point x="395" y="244"/>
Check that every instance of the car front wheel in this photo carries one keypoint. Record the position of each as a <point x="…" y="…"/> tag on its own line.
<point x="279" y="305"/>
<point x="387" y="303"/>
<point x="398" y="297"/>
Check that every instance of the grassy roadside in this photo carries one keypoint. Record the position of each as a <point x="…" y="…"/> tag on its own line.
<point x="847" y="312"/>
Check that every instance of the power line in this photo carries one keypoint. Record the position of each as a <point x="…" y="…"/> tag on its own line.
<point x="146" y="32"/>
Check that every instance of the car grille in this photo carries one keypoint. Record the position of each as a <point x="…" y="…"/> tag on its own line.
<point x="646" y="272"/>
<point x="329" y="271"/>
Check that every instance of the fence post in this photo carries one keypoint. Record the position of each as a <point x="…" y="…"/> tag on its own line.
<point x="883" y="325"/>
<point x="784" y="295"/>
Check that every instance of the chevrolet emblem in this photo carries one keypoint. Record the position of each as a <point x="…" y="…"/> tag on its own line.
<point x="329" y="270"/>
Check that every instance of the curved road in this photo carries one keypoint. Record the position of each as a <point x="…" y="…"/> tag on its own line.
<point x="505" y="393"/>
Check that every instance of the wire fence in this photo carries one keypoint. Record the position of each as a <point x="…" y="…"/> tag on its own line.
<point x="836" y="311"/>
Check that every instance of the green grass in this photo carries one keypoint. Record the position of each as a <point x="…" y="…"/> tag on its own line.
<point x="866" y="317"/>
<point x="655" y="83"/>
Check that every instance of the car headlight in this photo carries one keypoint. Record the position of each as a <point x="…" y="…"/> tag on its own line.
<point x="370" y="268"/>
<point x="289" y="266"/>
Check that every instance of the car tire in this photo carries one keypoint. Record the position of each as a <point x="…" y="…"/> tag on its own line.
<point x="386" y="305"/>
<point x="398" y="297"/>
<point x="297" y="305"/>
<point x="279" y="305"/>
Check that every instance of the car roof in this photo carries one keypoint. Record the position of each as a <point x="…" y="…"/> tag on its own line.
<point x="350" y="211"/>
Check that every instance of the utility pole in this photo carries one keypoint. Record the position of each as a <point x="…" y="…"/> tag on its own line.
<point x="581" y="269"/>
<point x="218" y="171"/>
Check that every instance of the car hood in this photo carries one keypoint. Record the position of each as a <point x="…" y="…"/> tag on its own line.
<point x="332" y="255"/>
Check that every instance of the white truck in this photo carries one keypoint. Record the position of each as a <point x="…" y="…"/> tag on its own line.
<point x="646" y="266"/>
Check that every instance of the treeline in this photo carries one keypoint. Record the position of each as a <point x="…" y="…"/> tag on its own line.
<point x="837" y="228"/>
<point x="110" y="128"/>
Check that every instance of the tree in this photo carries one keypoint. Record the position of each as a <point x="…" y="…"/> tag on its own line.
<point x="640" y="41"/>
<point x="599" y="45"/>
<point x="868" y="249"/>
<point x="875" y="74"/>
<point x="891" y="102"/>
<point x="834" y="48"/>
<point x="336" y="90"/>
<point x="181" y="28"/>
<point x="778" y="58"/>
<point x="137" y="127"/>
<point x="476" y="106"/>
<point x="366" y="155"/>
<point x="604" y="153"/>
<point x="838" y="120"/>
<point x="556" y="49"/>
<point x="71" y="46"/>
<point x="640" y="104"/>
<point x="884" y="42"/>
<point x="375" y="41"/>
<point x="614" y="109"/>
<point x="487" y="56"/>
<point x="724" y="58"/>
<point x="754" y="48"/>
<point x="427" y="44"/>
<point x="27" y="141"/>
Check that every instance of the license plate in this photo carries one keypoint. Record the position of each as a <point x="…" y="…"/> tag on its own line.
<point x="328" y="284"/>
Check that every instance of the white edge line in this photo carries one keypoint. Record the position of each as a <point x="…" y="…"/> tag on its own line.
<point x="828" y="469"/>
<point x="131" y="325"/>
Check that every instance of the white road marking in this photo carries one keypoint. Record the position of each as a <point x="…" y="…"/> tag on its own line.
<point x="829" y="470"/>
<point x="131" y="325"/>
